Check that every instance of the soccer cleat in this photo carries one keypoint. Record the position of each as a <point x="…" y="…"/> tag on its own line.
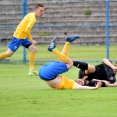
<point x="33" y="72"/>
<point x="72" y="38"/>
<point x="52" y="45"/>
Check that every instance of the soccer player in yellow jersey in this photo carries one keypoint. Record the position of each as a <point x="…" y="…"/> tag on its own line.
<point x="51" y="72"/>
<point x="23" y="37"/>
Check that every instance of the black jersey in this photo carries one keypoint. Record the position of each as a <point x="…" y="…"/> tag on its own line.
<point x="102" y="72"/>
<point x="98" y="74"/>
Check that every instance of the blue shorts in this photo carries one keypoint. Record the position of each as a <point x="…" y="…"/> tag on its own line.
<point x="15" y="43"/>
<point x="50" y="70"/>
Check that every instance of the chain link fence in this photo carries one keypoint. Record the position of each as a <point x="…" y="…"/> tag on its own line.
<point x="88" y="18"/>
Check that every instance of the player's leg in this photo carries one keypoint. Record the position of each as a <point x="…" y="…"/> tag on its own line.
<point x="69" y="39"/>
<point x="91" y="69"/>
<point x="32" y="57"/>
<point x="85" y="68"/>
<point x="52" y="48"/>
<point x="27" y="44"/>
<point x="6" y="54"/>
<point x="80" y="65"/>
<point x="12" y="47"/>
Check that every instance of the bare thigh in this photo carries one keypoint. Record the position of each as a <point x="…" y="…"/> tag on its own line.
<point x="32" y="48"/>
<point x="91" y="69"/>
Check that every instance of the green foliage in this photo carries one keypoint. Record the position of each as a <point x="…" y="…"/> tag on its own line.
<point x="44" y="34"/>
<point x="87" y="12"/>
<point x="25" y="96"/>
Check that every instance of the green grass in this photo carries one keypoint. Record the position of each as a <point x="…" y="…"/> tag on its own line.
<point x="25" y="96"/>
<point x="75" y="52"/>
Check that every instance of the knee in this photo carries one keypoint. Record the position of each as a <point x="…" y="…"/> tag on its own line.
<point x="34" y="50"/>
<point x="91" y="68"/>
<point x="70" y="64"/>
<point x="9" y="53"/>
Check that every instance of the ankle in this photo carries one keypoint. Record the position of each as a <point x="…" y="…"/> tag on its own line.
<point x="31" y="69"/>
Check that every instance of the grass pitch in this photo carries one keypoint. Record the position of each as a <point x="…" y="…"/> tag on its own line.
<point x="75" y="53"/>
<point x="28" y="96"/>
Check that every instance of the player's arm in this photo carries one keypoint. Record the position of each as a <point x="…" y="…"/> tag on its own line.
<point x="91" y="83"/>
<point x="80" y="87"/>
<point x="31" y="22"/>
<point x="112" y="85"/>
<point x="108" y="63"/>
<point x="85" y="77"/>
<point x="104" y="83"/>
<point x="27" y="31"/>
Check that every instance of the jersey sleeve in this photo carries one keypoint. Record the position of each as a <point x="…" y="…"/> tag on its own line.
<point x="27" y="31"/>
<point x="30" y="24"/>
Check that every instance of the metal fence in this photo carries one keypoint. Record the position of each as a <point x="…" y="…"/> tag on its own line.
<point x="84" y="23"/>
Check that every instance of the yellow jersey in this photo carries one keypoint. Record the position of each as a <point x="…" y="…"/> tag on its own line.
<point x="23" y="29"/>
<point x="66" y="83"/>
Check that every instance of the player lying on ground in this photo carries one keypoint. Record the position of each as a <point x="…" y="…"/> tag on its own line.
<point x="51" y="71"/>
<point x="90" y="74"/>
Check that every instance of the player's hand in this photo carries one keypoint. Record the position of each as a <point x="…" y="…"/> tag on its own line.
<point x="115" y="69"/>
<point x="80" y="81"/>
<point x="85" y="77"/>
<point x="98" y="84"/>
<point x="34" y="42"/>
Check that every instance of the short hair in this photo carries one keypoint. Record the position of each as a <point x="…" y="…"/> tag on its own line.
<point x="38" y="5"/>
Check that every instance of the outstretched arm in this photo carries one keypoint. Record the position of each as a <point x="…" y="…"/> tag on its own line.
<point x="107" y="84"/>
<point x="80" y="87"/>
<point x="112" y="85"/>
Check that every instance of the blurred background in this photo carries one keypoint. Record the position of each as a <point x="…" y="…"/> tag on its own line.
<point x="94" y="20"/>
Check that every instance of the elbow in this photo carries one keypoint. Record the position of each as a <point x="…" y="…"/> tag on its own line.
<point x="104" y="59"/>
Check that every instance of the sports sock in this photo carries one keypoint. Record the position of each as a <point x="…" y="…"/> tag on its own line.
<point x="80" y="65"/>
<point x="66" y="48"/>
<point x="3" y="55"/>
<point x="32" y="59"/>
<point x="61" y="57"/>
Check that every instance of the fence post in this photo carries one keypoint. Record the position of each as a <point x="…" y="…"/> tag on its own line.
<point x="24" y="4"/>
<point x="107" y="29"/>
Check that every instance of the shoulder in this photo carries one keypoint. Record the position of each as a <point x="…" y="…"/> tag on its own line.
<point x="31" y="15"/>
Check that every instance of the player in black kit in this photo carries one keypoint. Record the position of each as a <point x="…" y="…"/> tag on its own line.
<point x="89" y="75"/>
